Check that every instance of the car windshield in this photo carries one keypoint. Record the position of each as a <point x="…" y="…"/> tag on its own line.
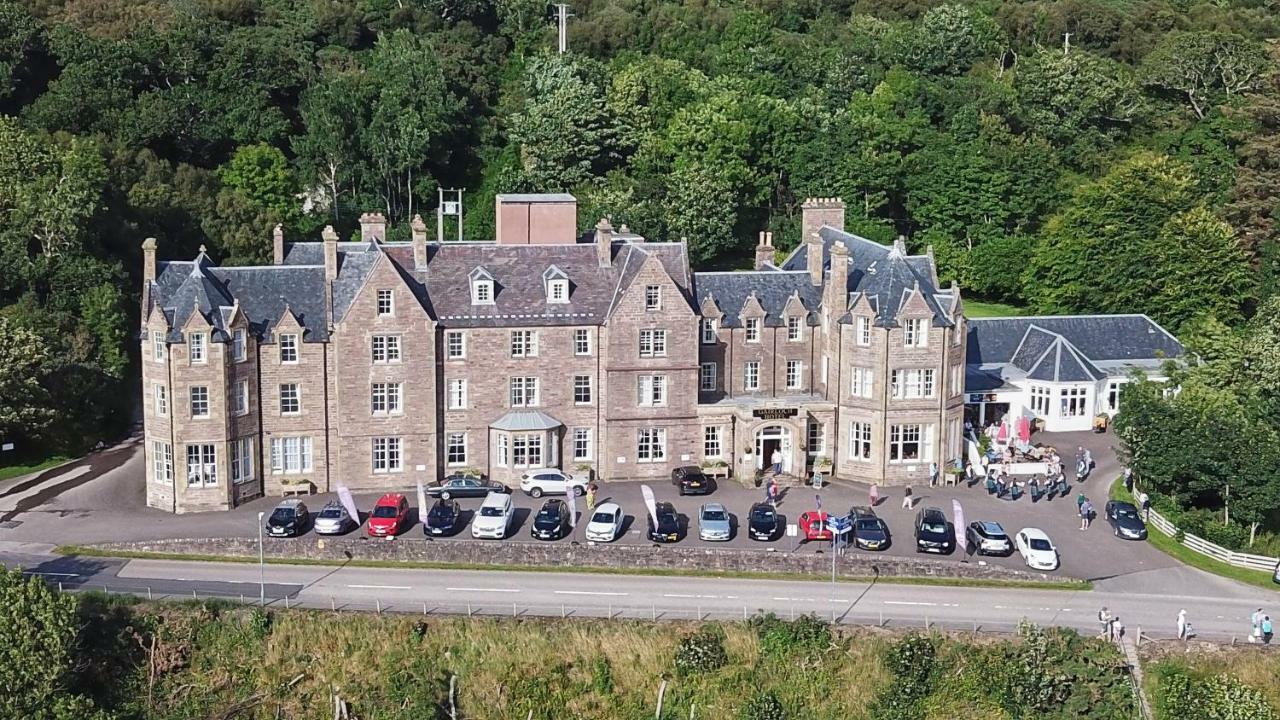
<point x="331" y="513"/>
<point x="602" y="517"/>
<point x="384" y="511"/>
<point x="1125" y="512"/>
<point x="992" y="531"/>
<point x="716" y="515"/>
<point x="763" y="514"/>
<point x="282" y="515"/>
<point x="549" y="515"/>
<point x="491" y="511"/>
<point x="933" y="526"/>
<point x="1040" y="544"/>
<point x="440" y="511"/>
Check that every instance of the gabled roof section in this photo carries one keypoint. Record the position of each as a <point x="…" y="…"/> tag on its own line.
<point x="772" y="289"/>
<point x="553" y="273"/>
<point x="480" y="273"/>
<point x="1103" y="339"/>
<point x="353" y="273"/>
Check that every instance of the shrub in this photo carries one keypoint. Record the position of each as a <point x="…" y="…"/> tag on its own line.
<point x="259" y="623"/>
<point x="764" y="706"/>
<point x="602" y="676"/>
<point x="701" y="652"/>
<point x="805" y="634"/>
<point x="1220" y="697"/>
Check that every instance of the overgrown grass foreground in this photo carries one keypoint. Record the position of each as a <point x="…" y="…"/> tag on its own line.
<point x="1213" y="683"/>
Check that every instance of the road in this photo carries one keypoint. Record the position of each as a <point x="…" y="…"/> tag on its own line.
<point x="507" y="593"/>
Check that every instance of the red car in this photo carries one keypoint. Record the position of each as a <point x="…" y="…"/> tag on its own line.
<point x="388" y="515"/>
<point x="813" y="524"/>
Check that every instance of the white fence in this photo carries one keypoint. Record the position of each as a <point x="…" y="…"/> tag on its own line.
<point x="1217" y="552"/>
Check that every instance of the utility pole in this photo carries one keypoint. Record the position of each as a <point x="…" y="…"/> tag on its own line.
<point x="562" y="21"/>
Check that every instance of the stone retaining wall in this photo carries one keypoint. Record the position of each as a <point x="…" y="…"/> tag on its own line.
<point x="643" y="557"/>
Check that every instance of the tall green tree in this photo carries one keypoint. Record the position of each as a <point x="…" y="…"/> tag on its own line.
<point x="24" y="402"/>
<point x="1204" y="66"/>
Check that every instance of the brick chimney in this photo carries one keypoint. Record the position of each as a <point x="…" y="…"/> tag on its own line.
<point x="816" y="212"/>
<point x="277" y="244"/>
<point x="900" y="244"/>
<point x="838" y="280"/>
<point x="373" y="226"/>
<point x="149" y="260"/>
<point x="604" y="243"/>
<point x="330" y="237"/>
<point x="764" y="250"/>
<point x="536" y="219"/>
<point x="419" y="229"/>
<point x="813" y="253"/>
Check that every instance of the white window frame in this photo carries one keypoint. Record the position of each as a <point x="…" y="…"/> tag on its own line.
<point x="817" y="438"/>
<point x="710" y="328"/>
<point x="751" y="376"/>
<point x="161" y="462"/>
<point x="862" y="382"/>
<point x="863" y="333"/>
<point x="795" y="375"/>
<point x="528" y="449"/>
<point x="558" y="291"/>
<point x="455" y="345"/>
<point x="581" y="342"/>
<point x="651" y="390"/>
<point x="905" y="434"/>
<point x="524" y="343"/>
<point x="456" y="393"/>
<point x="204" y="471"/>
<point x="1113" y="395"/>
<point x="386" y="303"/>
<point x="707" y="376"/>
<point x="384" y="349"/>
<point x="652" y="297"/>
<point x="295" y="389"/>
<point x="582" y="445"/>
<point x="651" y="445"/>
<point x="204" y="402"/>
<point x="1041" y="400"/>
<point x="913" y="383"/>
<point x="482" y="292"/>
<point x="915" y="333"/>
<point x="386" y="398"/>
<point x="291" y="455"/>
<point x="793" y="329"/>
<point x="241" y="460"/>
<point x="239" y="345"/>
<point x="161" y="397"/>
<point x="199" y="348"/>
<point x="523" y="391"/>
<point x="387" y="455"/>
<point x="455" y="449"/>
<point x="1073" y="401"/>
<point x="158" y="346"/>
<point x="503" y="449"/>
<point x="240" y="398"/>
<point x="751" y="330"/>
<point x="860" y="441"/>
<point x="289" y="349"/>
<point x="583" y="390"/>
<point x="653" y="342"/>
<point x="712" y="442"/>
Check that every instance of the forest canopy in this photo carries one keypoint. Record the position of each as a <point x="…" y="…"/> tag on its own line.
<point x="1066" y="156"/>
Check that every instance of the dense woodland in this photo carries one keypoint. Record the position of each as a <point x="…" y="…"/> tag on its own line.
<point x="1068" y="156"/>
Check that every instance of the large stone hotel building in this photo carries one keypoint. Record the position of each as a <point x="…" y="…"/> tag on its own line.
<point x="374" y="365"/>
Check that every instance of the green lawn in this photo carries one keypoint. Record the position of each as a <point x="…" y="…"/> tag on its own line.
<point x="981" y="309"/>
<point x="1186" y="555"/>
<point x="24" y="467"/>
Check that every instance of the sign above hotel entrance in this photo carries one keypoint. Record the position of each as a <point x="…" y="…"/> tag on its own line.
<point x="774" y="413"/>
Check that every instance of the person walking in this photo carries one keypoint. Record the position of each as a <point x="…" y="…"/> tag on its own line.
<point x="873" y="495"/>
<point x="1266" y="629"/>
<point x="776" y="459"/>
<point x="933" y="474"/>
<point x="907" y="500"/>
<point x="1183" y="625"/>
<point x="1117" y="629"/>
<point x="771" y="492"/>
<point x="1104" y="620"/>
<point x="1128" y="480"/>
<point x="591" y="498"/>
<point x="1086" y="514"/>
<point x="1255" y="625"/>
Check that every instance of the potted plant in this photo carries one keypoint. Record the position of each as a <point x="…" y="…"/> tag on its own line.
<point x="822" y="463"/>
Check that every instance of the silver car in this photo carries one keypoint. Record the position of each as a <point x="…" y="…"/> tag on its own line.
<point x="713" y="522"/>
<point x="334" y="519"/>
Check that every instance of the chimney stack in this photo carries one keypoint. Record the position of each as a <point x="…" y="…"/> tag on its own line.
<point x="373" y="226"/>
<point x="331" y="252"/>
<point x="604" y="243"/>
<point x="900" y="244"/>
<point x="817" y="212"/>
<point x="838" y="282"/>
<point x="419" y="229"/>
<point x="813" y="253"/>
<point x="764" y="250"/>
<point x="277" y="244"/>
<point x="149" y="260"/>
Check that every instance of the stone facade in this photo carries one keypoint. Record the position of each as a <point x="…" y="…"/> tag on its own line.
<point x="376" y="365"/>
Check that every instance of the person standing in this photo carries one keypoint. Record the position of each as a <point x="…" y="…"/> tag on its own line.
<point x="776" y="459"/>
<point x="1128" y="480"/>
<point x="1255" y="625"/>
<point x="772" y="492"/>
<point x="1144" y="503"/>
<point x="1117" y="629"/>
<point x="933" y="474"/>
<point x="873" y="495"/>
<point x="1104" y="620"/>
<point x="1085" y="508"/>
<point x="1080" y="501"/>
<point x="1183" y="625"/>
<point x="906" y="498"/>
<point x="591" y="498"/>
<point x="1266" y="629"/>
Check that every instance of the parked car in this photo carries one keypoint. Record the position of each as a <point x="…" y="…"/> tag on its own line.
<point x="857" y="512"/>
<point x="713" y="523"/>
<point x="463" y="486"/>
<point x="1125" y="521"/>
<point x="762" y="522"/>
<point x="871" y="533"/>
<point x="388" y="516"/>
<point x="333" y="519"/>
<point x="289" y="519"/>
<point x="537" y="483"/>
<point x="813" y="525"/>
<point x="442" y="518"/>
<point x="1037" y="549"/>
<point x="605" y="524"/>
<point x="668" y="527"/>
<point x="933" y="534"/>
<point x="988" y="538"/>
<point x="552" y="522"/>
<point x="493" y="519"/>
<point x="690" y="480"/>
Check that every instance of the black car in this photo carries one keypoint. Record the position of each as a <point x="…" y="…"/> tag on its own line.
<point x="933" y="533"/>
<point x="552" y="522"/>
<point x="762" y="522"/>
<point x="289" y="519"/>
<point x="871" y="533"/>
<point x="1125" y="521"/>
<point x="690" y="480"/>
<point x="857" y="512"/>
<point x="668" y="527"/>
<point x="988" y="538"/>
<point x="463" y="486"/>
<point x="442" y="518"/>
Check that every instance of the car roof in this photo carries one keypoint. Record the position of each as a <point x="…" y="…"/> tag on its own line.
<point x="714" y="506"/>
<point x="1035" y="533"/>
<point x="390" y="499"/>
<point x="290" y="503"/>
<point x="496" y="499"/>
<point x="607" y="507"/>
<point x="989" y="526"/>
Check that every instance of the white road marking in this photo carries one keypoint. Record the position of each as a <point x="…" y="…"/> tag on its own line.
<point x="470" y="589"/>
<point x="50" y="574"/>
<point x="588" y="592"/>
<point x="707" y="597"/>
<point x="906" y="602"/>
<point x="380" y="587"/>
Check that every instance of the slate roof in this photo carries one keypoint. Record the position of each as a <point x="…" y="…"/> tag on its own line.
<point x="886" y="275"/>
<point x="772" y="288"/>
<point x="525" y="420"/>
<point x="1070" y="348"/>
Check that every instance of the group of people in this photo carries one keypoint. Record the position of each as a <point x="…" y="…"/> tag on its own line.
<point x="1260" y="630"/>
<point x="1112" y="628"/>
<point x="1087" y="512"/>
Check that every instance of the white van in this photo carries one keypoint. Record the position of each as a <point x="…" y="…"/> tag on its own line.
<point x="493" y="519"/>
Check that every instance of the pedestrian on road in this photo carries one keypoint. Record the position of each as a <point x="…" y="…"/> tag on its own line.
<point x="1117" y="629"/>
<point x="1266" y="629"/>
<point x="1085" y="509"/>
<point x="1255" y="625"/>
<point x="1128" y="480"/>
<point x="933" y="474"/>
<point x="1183" y="626"/>
<point x="772" y="492"/>
<point x="591" y="498"/>
<point x="1088" y="460"/>
<point x="873" y="495"/>
<point x="1104" y="620"/>
<point x="776" y="459"/>
<point x="907" y="500"/>
<point x="1080" y="501"/>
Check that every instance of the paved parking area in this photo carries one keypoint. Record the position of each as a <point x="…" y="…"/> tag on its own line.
<point x="101" y="500"/>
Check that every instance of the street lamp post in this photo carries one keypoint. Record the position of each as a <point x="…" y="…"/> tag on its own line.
<point x="262" y="579"/>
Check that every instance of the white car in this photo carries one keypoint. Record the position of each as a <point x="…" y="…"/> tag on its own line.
<point x="606" y="523"/>
<point x="550" y="481"/>
<point x="1037" y="549"/>
<point x="493" y="519"/>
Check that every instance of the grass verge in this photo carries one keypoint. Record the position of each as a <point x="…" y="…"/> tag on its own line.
<point x="1187" y="556"/>
<point x="980" y="309"/>
<point x="12" y="471"/>
<point x="1067" y="585"/>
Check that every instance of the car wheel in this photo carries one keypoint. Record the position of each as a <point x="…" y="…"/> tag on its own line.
<point x="535" y="492"/>
<point x="445" y="495"/>
<point x="579" y="491"/>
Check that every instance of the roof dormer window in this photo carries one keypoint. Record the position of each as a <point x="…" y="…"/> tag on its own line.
<point x="556" y="284"/>
<point x="482" y="290"/>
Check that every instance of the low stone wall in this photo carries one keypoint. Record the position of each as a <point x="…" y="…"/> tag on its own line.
<point x="552" y="555"/>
